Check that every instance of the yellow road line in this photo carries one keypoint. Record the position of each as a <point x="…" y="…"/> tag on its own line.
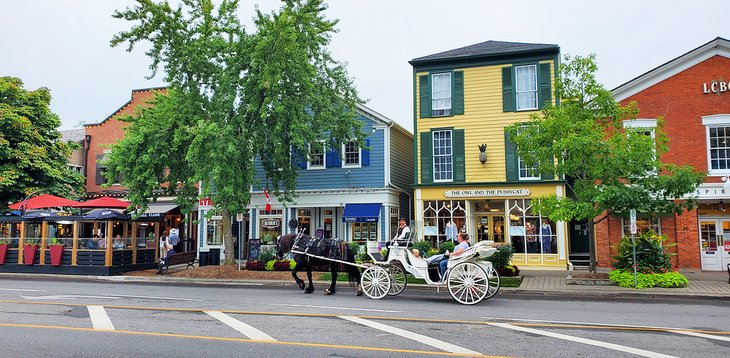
<point x="244" y="340"/>
<point x="384" y="318"/>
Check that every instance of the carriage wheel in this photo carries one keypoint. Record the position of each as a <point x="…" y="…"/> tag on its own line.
<point x="375" y="282"/>
<point x="398" y="280"/>
<point x="493" y="282"/>
<point x="467" y="283"/>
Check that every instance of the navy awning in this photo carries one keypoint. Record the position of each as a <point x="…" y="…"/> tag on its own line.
<point x="361" y="213"/>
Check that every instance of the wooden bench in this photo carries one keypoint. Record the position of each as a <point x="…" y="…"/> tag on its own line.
<point x="187" y="257"/>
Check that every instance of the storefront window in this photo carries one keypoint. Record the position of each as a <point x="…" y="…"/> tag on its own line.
<point x="214" y="232"/>
<point x="305" y="221"/>
<point x="328" y="215"/>
<point x="529" y="232"/>
<point x="442" y="219"/>
<point x="10" y="232"/>
<point x="642" y="225"/>
<point x="269" y="229"/>
<point x="362" y="232"/>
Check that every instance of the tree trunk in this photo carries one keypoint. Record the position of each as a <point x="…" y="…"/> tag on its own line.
<point x="228" y="238"/>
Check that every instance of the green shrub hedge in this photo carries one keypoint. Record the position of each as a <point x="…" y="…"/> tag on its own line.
<point x="647" y="280"/>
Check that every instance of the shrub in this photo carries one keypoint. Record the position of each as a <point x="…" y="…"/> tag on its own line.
<point x="283" y="265"/>
<point x="270" y="265"/>
<point x="502" y="257"/>
<point x="267" y="255"/>
<point x="647" y="280"/>
<point x="432" y="251"/>
<point x="424" y="247"/>
<point x="650" y="255"/>
<point x="255" y="265"/>
<point x="508" y="270"/>
<point x="448" y="245"/>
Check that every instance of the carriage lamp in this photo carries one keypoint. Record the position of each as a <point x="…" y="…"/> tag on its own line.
<point x="483" y="153"/>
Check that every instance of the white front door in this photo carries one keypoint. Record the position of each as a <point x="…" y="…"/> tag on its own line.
<point x="714" y="244"/>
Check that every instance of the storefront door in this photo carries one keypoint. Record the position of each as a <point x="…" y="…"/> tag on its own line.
<point x="490" y="227"/>
<point x="714" y="244"/>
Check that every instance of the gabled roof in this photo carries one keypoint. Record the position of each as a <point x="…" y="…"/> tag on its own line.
<point x="377" y="117"/>
<point x="718" y="46"/>
<point x="486" y="49"/>
<point x="131" y="99"/>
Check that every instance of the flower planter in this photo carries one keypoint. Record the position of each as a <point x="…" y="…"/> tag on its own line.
<point x="3" y="253"/>
<point x="56" y="254"/>
<point x="29" y="252"/>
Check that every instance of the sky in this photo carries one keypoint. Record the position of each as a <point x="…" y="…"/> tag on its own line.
<point x="64" y="44"/>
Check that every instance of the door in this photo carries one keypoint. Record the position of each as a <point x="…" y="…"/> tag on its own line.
<point x="714" y="244"/>
<point x="490" y="227"/>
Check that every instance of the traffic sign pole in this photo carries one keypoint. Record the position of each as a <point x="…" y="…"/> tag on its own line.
<point x="632" y="215"/>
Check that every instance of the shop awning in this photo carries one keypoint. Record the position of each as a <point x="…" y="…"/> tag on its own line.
<point x="361" y="213"/>
<point x="158" y="211"/>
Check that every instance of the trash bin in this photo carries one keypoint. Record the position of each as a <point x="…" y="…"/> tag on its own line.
<point x="214" y="257"/>
<point x="203" y="258"/>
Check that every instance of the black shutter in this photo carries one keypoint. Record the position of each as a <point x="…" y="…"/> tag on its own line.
<point x="457" y="147"/>
<point x="545" y="93"/>
<point x="426" y="158"/>
<point x="508" y="92"/>
<point x="457" y="99"/>
<point x="510" y="159"/>
<point x="425" y="96"/>
<point x="100" y="170"/>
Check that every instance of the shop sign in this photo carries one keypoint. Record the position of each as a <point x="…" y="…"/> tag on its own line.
<point x="205" y="202"/>
<point x="271" y="223"/>
<point x="472" y="193"/>
<point x="715" y="86"/>
<point x="708" y="192"/>
<point x="727" y="246"/>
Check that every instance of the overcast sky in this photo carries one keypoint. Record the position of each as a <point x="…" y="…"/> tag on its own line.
<point x="64" y="44"/>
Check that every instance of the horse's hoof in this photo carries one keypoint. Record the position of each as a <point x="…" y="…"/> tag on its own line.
<point x="301" y="285"/>
<point x="309" y="290"/>
<point x="328" y="292"/>
<point x="360" y="292"/>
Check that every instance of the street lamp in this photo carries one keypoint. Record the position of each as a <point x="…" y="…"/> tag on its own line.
<point x="24" y="203"/>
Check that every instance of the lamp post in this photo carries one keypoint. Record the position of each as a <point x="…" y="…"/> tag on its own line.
<point x="24" y="203"/>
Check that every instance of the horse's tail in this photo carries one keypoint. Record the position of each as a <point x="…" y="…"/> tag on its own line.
<point x="353" y="272"/>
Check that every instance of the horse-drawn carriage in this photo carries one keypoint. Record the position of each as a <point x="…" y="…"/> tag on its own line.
<point x="468" y="279"/>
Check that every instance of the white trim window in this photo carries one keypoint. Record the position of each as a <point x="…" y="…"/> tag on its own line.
<point x="443" y="162"/>
<point x="441" y="94"/>
<point x="717" y="132"/>
<point x="645" y="127"/>
<point x="526" y="87"/>
<point x="317" y="159"/>
<point x="351" y="155"/>
<point x="527" y="172"/>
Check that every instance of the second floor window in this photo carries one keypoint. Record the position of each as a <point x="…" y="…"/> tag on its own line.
<point x="719" y="138"/>
<point x="441" y="94"/>
<point x="443" y="167"/>
<point x="526" y="87"/>
<point x="351" y="155"/>
<point x="316" y="156"/>
<point x="527" y="172"/>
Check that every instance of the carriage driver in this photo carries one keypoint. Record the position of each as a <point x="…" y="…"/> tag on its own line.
<point x="403" y="232"/>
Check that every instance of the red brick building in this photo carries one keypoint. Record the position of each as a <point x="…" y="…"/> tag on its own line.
<point x="692" y="94"/>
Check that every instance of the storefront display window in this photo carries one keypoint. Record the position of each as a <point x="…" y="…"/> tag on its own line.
<point x="642" y="225"/>
<point x="269" y="229"/>
<point x="529" y="232"/>
<point x="214" y="232"/>
<point x="442" y="219"/>
<point x="362" y="232"/>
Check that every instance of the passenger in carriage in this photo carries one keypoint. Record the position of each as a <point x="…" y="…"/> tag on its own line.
<point x="463" y="244"/>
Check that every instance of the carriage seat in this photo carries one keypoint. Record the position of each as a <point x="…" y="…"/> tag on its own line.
<point x="480" y="249"/>
<point x="417" y="262"/>
<point x="373" y="252"/>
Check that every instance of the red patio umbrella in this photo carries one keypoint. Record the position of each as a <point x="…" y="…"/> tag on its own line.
<point x="44" y="201"/>
<point x="103" y="202"/>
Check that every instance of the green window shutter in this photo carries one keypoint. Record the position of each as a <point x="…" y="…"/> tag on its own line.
<point x="457" y="147"/>
<point x="545" y="93"/>
<point x="426" y="158"/>
<point x="508" y="90"/>
<point x="457" y="99"/>
<point x="424" y="96"/>
<point x="510" y="159"/>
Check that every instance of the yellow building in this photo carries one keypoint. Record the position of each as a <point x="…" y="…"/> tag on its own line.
<point x="468" y="174"/>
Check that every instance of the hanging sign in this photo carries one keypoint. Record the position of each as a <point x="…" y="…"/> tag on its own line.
<point x="632" y="215"/>
<point x="486" y="193"/>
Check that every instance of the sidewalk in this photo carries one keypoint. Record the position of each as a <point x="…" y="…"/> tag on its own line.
<point x="546" y="283"/>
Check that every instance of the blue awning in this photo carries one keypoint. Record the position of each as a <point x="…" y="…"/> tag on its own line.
<point x="361" y="213"/>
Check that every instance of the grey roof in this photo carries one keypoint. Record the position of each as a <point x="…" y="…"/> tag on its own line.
<point x="75" y="135"/>
<point x="487" y="49"/>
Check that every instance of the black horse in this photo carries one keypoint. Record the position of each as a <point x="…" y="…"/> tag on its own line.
<point x="285" y="243"/>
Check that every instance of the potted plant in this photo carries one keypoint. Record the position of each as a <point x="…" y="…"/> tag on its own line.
<point x="3" y="250"/>
<point x="56" y="248"/>
<point x="30" y="247"/>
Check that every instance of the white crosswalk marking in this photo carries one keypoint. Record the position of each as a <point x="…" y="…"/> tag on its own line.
<point x="244" y="328"/>
<point x="99" y="319"/>
<point x="702" y="335"/>
<point x="592" y="342"/>
<point x="411" y="335"/>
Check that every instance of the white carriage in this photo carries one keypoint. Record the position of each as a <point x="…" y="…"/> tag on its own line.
<point x="468" y="279"/>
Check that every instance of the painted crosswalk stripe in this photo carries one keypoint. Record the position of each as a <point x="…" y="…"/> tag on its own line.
<point x="99" y="319"/>
<point x="592" y="342"/>
<point x="702" y="335"/>
<point x="411" y="335"/>
<point x="244" y="328"/>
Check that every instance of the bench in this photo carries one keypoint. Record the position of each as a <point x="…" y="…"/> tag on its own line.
<point x="187" y="257"/>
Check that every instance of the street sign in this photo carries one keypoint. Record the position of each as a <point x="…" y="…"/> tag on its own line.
<point x="239" y="217"/>
<point x="632" y="215"/>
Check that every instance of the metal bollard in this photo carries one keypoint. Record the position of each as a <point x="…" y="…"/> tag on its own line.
<point x="728" y="273"/>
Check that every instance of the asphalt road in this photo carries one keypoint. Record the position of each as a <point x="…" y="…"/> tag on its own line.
<point x="80" y="319"/>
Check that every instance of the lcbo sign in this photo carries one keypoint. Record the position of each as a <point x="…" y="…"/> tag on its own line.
<point x="715" y="86"/>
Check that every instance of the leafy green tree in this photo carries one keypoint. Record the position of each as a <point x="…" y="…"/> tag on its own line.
<point x="234" y="98"/>
<point x="608" y="169"/>
<point x="33" y="158"/>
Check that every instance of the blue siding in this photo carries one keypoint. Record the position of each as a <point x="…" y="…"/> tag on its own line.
<point x="401" y="159"/>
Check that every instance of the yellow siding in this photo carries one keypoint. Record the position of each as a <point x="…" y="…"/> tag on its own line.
<point x="483" y="122"/>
